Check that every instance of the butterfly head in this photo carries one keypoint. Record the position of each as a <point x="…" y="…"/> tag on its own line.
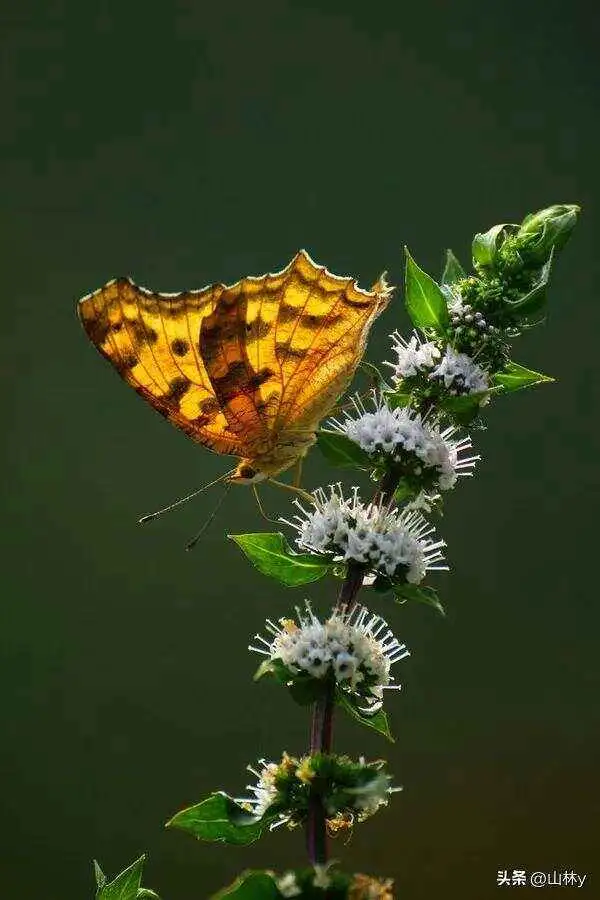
<point x="246" y="473"/>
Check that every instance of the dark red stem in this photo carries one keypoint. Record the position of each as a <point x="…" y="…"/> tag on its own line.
<point x="321" y="728"/>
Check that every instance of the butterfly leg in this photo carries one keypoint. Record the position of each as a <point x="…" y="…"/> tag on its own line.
<point x="260" y="506"/>
<point x="298" y="475"/>
<point x="294" y="489"/>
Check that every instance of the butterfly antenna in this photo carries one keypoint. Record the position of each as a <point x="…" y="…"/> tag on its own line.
<point x="165" y="509"/>
<point x="191" y="544"/>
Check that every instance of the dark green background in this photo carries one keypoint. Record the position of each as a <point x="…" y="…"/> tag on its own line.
<point x="184" y="143"/>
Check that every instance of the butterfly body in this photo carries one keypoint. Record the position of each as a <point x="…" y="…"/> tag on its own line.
<point x="248" y="369"/>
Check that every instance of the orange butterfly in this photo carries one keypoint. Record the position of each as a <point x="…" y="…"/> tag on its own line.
<point x="248" y="369"/>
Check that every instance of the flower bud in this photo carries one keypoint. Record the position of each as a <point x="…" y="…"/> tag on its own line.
<point x="543" y="230"/>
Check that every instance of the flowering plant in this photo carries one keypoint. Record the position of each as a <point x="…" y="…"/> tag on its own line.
<point x="409" y="438"/>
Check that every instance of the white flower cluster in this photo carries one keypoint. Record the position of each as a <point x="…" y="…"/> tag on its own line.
<point x="385" y="540"/>
<point x="360" y="801"/>
<point x="402" y="433"/>
<point x="354" y="645"/>
<point x="459" y="372"/>
<point x="413" y="355"/>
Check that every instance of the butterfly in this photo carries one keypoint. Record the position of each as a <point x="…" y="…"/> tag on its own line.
<point x="247" y="369"/>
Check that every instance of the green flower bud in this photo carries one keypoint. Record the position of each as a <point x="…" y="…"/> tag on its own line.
<point x="543" y="230"/>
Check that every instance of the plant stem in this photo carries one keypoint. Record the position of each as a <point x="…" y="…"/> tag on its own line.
<point x="321" y="726"/>
<point x="320" y="742"/>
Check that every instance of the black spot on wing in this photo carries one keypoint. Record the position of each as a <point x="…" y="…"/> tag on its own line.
<point x="239" y="380"/>
<point x="284" y="350"/>
<point x="127" y="361"/>
<point x="178" y="387"/>
<point x="141" y="334"/>
<point x="180" y="347"/>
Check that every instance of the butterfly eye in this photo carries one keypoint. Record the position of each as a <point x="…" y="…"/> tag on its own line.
<point x="246" y="472"/>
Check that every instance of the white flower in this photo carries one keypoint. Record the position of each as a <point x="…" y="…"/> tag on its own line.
<point x="385" y="540"/>
<point x="355" y="645"/>
<point x="288" y="886"/>
<point x="454" y="300"/>
<point x="423" y="501"/>
<point x="265" y="791"/>
<point x="460" y="373"/>
<point x="369" y="797"/>
<point x="413" y="355"/>
<point x="322" y="878"/>
<point x="405" y="436"/>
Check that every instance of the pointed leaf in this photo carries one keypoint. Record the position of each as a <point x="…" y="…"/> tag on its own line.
<point x="219" y="818"/>
<point x="250" y="886"/>
<point x="513" y="377"/>
<point x="272" y="555"/>
<point x="376" y="721"/>
<point x="485" y="246"/>
<point x="453" y="271"/>
<point x="424" y="300"/>
<point x="126" y="885"/>
<point x="99" y="875"/>
<point x="421" y="594"/>
<point x="340" y="451"/>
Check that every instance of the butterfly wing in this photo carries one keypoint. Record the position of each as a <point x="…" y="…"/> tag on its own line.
<point x="243" y="369"/>
<point x="322" y="329"/>
<point x="152" y="341"/>
<point x="279" y="349"/>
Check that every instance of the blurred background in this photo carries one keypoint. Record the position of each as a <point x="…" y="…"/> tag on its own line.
<point x="184" y="143"/>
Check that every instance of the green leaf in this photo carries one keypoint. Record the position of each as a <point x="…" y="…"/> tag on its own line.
<point x="219" y="818"/>
<point x="250" y="886"/>
<point x="376" y="722"/>
<point x="272" y="555"/>
<point x="534" y="302"/>
<point x="276" y="668"/>
<point x="513" y="377"/>
<point x="340" y="451"/>
<point x="403" y="491"/>
<point x="464" y="408"/>
<point x="453" y="271"/>
<point x="372" y="372"/>
<point x="421" y="594"/>
<point x="394" y="399"/>
<point x="485" y="246"/>
<point x="546" y="230"/>
<point x="425" y="300"/>
<point x="125" y="886"/>
<point x="305" y="689"/>
<point x="147" y="894"/>
<point x="99" y="875"/>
